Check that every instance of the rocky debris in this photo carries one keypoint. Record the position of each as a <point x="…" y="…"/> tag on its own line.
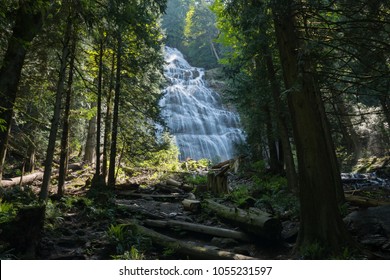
<point x="371" y="226"/>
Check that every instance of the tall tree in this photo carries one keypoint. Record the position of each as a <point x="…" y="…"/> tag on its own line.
<point x="28" y="22"/>
<point x="43" y="195"/>
<point x="114" y="134"/>
<point x="64" y="154"/>
<point x="319" y="180"/>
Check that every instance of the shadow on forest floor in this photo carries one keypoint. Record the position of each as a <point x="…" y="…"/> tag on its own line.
<point x="140" y="220"/>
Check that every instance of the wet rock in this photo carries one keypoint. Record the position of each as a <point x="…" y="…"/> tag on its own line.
<point x="223" y="242"/>
<point x="371" y="225"/>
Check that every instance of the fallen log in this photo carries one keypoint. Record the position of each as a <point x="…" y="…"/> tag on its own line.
<point x="191" y="205"/>
<point x="260" y="224"/>
<point x="197" y="251"/>
<point x="175" y="183"/>
<point x="174" y="196"/>
<point x="214" y="231"/>
<point x="31" y="178"/>
<point x="26" y="179"/>
<point x="364" y="201"/>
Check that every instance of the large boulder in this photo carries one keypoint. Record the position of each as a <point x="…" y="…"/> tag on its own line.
<point x="371" y="226"/>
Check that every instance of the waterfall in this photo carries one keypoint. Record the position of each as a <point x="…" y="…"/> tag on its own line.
<point x="194" y="113"/>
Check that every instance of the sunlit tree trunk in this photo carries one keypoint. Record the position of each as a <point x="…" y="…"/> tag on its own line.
<point x="90" y="144"/>
<point x="57" y="111"/>
<point x="107" y="123"/>
<point x="64" y="154"/>
<point x="97" y="177"/>
<point x="114" y="134"/>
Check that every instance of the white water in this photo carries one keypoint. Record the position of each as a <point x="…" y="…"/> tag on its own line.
<point x="194" y="113"/>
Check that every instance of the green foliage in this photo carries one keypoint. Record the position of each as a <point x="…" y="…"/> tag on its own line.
<point x="132" y="254"/>
<point x="7" y="211"/>
<point x="195" y="180"/>
<point x="313" y="251"/>
<point x="128" y="245"/>
<point x="53" y="215"/>
<point x="199" y="34"/>
<point x="164" y="159"/>
<point x="3" y="125"/>
<point x="197" y="164"/>
<point x="241" y="195"/>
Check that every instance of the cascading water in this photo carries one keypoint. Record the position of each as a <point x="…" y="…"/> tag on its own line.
<point x="194" y="113"/>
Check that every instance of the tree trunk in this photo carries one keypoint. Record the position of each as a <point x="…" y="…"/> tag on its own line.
<point x="97" y="178"/>
<point x="57" y="111"/>
<point x="319" y="177"/>
<point x="291" y="173"/>
<point x="64" y="154"/>
<point x="90" y="144"/>
<point x="275" y="166"/>
<point x="259" y="224"/>
<point x="111" y="171"/>
<point x="107" y="123"/>
<point x="349" y="133"/>
<point x="28" y="24"/>
<point x="30" y="161"/>
<point x="217" y="180"/>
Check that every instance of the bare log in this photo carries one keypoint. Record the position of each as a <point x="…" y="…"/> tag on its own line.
<point x="191" y="205"/>
<point x="31" y="178"/>
<point x="364" y="201"/>
<point x="214" y="231"/>
<point x="175" y="183"/>
<point x="260" y="224"/>
<point x="26" y="179"/>
<point x="197" y="251"/>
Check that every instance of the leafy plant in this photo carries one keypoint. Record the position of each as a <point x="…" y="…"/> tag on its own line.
<point x="128" y="244"/>
<point x="240" y="195"/>
<point x="53" y="215"/>
<point x="7" y="211"/>
<point x="132" y="254"/>
<point x="313" y="251"/>
<point x="196" y="179"/>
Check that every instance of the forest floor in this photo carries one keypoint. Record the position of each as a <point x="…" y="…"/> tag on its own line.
<point x="99" y="224"/>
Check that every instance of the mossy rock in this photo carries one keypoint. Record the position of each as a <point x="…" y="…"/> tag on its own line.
<point x="374" y="164"/>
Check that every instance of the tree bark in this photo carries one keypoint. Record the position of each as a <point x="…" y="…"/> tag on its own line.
<point x="217" y="180"/>
<point x="291" y="172"/>
<point x="90" y="144"/>
<point x="319" y="177"/>
<point x="28" y="23"/>
<point x="64" y="154"/>
<point x="97" y="178"/>
<point x="114" y="135"/>
<point x="191" y="205"/>
<point x="107" y="123"/>
<point x="260" y="224"/>
<point x="57" y="111"/>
